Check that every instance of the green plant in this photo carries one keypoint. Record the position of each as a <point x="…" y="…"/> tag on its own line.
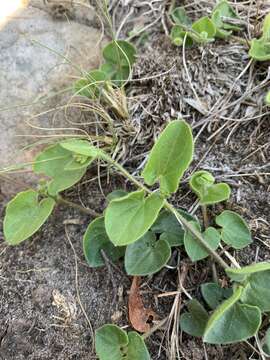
<point x="143" y="226"/>
<point x="205" y="29"/>
<point x="260" y="48"/>
<point x="107" y="83"/>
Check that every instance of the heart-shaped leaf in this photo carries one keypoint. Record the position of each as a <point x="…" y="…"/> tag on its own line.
<point x="222" y="14"/>
<point x="52" y="162"/>
<point x="25" y="214"/>
<point x="202" y="183"/>
<point x="260" y="49"/>
<point x="128" y="218"/>
<point x="179" y="16"/>
<point x="147" y="255"/>
<point x="257" y="291"/>
<point x="169" y="227"/>
<point x="232" y="322"/>
<point x="170" y="157"/>
<point x="243" y="273"/>
<point x="235" y="231"/>
<point x="220" y="31"/>
<point x="194" y="321"/>
<point x="119" y="57"/>
<point x="113" y="343"/>
<point x="205" y="30"/>
<point x="96" y="239"/>
<point x="91" y="86"/>
<point x="196" y="251"/>
<point x="214" y="294"/>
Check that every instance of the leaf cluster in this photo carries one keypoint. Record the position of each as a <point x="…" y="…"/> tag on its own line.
<point x="220" y="24"/>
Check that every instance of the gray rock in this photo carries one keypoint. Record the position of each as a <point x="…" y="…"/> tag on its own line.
<point x="29" y="70"/>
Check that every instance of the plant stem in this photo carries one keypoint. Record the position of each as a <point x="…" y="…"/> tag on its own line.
<point x="85" y="210"/>
<point x="169" y="207"/>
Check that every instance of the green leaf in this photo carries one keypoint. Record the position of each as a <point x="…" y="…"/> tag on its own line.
<point x="260" y="49"/>
<point x="267" y="98"/>
<point x="169" y="227"/>
<point x="96" y="239"/>
<point x="222" y="13"/>
<point x="25" y="214"/>
<point x="235" y="231"/>
<point x="180" y="17"/>
<point x="147" y="255"/>
<point x="92" y="85"/>
<point x="196" y="251"/>
<point x="257" y="291"/>
<point x="202" y="183"/>
<point x="170" y="157"/>
<point x="128" y="218"/>
<point x="178" y="34"/>
<point x="116" y="194"/>
<point x="136" y="348"/>
<point x="220" y="31"/>
<point x="81" y="147"/>
<point x="244" y="272"/>
<point x="205" y="29"/>
<point x="194" y="321"/>
<point x="266" y="28"/>
<point x="52" y="162"/>
<point x="112" y="343"/>
<point x="232" y="322"/>
<point x="119" y="56"/>
<point x="214" y="294"/>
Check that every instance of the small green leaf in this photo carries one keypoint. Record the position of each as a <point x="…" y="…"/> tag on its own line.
<point x="81" y="147"/>
<point x="267" y="98"/>
<point x="205" y="29"/>
<point x="112" y="343"/>
<point x="180" y="17"/>
<point x="214" y="294"/>
<point x="194" y="321"/>
<point x="25" y="214"/>
<point x="170" y="157"/>
<point x="119" y="56"/>
<point x="260" y="49"/>
<point x="232" y="322"/>
<point x="223" y="12"/>
<point x="96" y="239"/>
<point x="136" y="348"/>
<point x="196" y="251"/>
<point x="169" y="227"/>
<point x="116" y="194"/>
<point x="243" y="273"/>
<point x="128" y="218"/>
<point x="147" y="255"/>
<point x="92" y="85"/>
<point x="220" y="31"/>
<point x="266" y="28"/>
<point x="202" y="183"/>
<point x="178" y="34"/>
<point x="235" y="231"/>
<point x="52" y="162"/>
<point x="257" y="290"/>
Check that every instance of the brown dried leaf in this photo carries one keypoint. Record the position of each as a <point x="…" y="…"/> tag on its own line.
<point x="139" y="316"/>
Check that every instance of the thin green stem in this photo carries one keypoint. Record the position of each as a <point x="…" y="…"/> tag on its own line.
<point x="170" y="207"/>
<point x="83" y="209"/>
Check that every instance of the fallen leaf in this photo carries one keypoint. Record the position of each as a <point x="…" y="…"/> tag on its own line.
<point x="139" y="316"/>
